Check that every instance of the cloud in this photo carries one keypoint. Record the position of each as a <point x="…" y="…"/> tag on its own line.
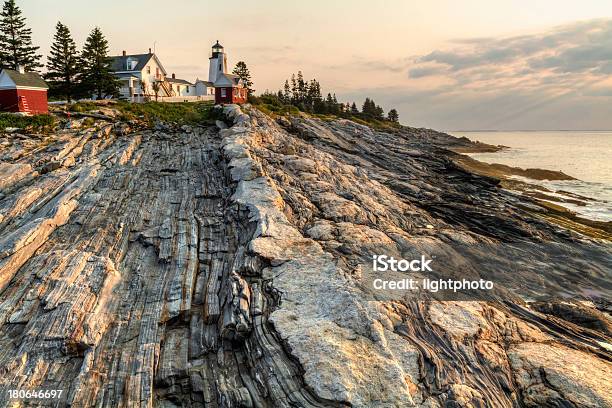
<point x="579" y="47"/>
<point x="375" y="65"/>
<point x="556" y="79"/>
<point x="426" y="70"/>
<point x="382" y="66"/>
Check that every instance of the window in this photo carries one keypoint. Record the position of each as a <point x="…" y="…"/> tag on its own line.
<point x="148" y="70"/>
<point x="223" y="94"/>
<point x="220" y="67"/>
<point x="187" y="89"/>
<point x="157" y="73"/>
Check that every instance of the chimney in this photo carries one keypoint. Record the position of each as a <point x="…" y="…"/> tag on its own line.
<point x="173" y="76"/>
<point x="150" y="51"/>
<point x="21" y="69"/>
<point x="124" y="53"/>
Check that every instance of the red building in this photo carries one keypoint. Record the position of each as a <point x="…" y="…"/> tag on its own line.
<point x="229" y="89"/>
<point x="22" y="91"/>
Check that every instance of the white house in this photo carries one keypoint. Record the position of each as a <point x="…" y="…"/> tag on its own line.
<point x="139" y="74"/>
<point x="181" y="87"/>
<point x="205" y="88"/>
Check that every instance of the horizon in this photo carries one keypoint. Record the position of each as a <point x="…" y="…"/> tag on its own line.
<point x="528" y="130"/>
<point x="509" y="66"/>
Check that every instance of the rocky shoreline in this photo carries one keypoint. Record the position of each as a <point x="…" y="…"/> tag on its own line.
<point x="232" y="268"/>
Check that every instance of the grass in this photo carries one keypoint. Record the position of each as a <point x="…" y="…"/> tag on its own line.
<point x="180" y="113"/>
<point x="83" y="107"/>
<point x="36" y="122"/>
<point x="373" y="123"/>
<point x="278" y="110"/>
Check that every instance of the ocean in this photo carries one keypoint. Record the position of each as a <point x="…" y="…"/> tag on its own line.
<point x="585" y="155"/>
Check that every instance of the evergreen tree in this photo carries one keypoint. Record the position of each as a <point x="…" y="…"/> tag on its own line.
<point x="294" y="91"/>
<point x="393" y="116"/>
<point x="318" y="105"/>
<point x="306" y="97"/>
<point x="98" y="78"/>
<point x="63" y="63"/>
<point x="314" y="95"/>
<point x="379" y="113"/>
<point x="369" y="107"/>
<point x="243" y="73"/>
<point x="16" y="40"/>
<point x="315" y="90"/>
<point x="337" y="108"/>
<point x="354" y="109"/>
<point x="301" y="87"/>
<point x="287" y="93"/>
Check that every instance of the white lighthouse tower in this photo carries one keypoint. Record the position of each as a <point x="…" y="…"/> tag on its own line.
<point x="218" y="62"/>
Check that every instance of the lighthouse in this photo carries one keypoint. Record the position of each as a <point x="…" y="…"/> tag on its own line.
<point x="218" y="63"/>
<point x="229" y="88"/>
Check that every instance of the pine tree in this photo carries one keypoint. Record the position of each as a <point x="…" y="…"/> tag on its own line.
<point x="329" y="104"/>
<point x="306" y="98"/>
<point x="63" y="63"/>
<point x="301" y="87"/>
<point x="294" y="91"/>
<point x="393" y="116"/>
<point x="313" y="95"/>
<point x="98" y="78"/>
<point x="287" y="93"/>
<point x="243" y="73"/>
<point x="368" y="107"/>
<point x="354" y="109"/>
<point x="318" y="105"/>
<point x="16" y="40"/>
<point x="379" y="112"/>
<point x="337" y="107"/>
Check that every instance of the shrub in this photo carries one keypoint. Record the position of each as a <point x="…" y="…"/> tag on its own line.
<point x="36" y="122"/>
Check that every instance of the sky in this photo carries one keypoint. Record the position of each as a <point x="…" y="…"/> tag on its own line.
<point x="448" y="65"/>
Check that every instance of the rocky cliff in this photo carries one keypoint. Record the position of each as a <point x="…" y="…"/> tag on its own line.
<point x="231" y="267"/>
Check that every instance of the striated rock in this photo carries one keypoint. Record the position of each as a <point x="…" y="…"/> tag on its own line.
<point x="11" y="173"/>
<point x="231" y="267"/>
<point x="555" y="375"/>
